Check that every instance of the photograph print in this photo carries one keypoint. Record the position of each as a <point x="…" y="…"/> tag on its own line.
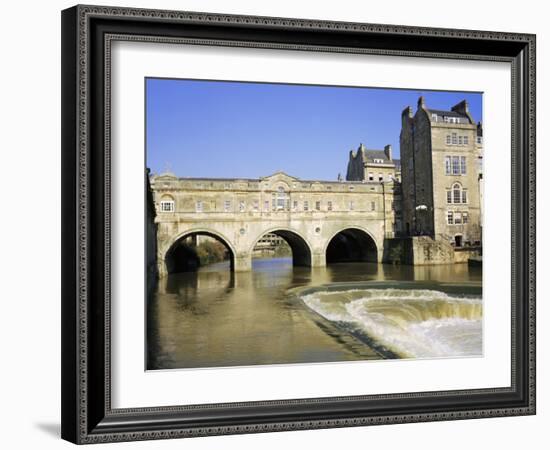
<point x="291" y="223"/>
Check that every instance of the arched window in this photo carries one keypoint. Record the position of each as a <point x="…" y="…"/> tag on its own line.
<point x="457" y="194"/>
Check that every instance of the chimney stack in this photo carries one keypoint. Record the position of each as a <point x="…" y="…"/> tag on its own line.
<point x="407" y="112"/>
<point x="387" y="151"/>
<point x="461" y="108"/>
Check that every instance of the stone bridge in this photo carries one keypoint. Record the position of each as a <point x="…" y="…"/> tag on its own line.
<point x="322" y="222"/>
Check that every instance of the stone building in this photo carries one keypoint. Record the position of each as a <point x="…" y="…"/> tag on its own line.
<point x="373" y="165"/>
<point x="441" y="152"/>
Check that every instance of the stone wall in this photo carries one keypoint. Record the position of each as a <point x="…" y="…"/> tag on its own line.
<point x="427" y="251"/>
<point x="424" y="251"/>
<point x="398" y="251"/>
<point x="462" y="255"/>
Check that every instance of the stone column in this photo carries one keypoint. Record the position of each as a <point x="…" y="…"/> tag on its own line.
<point x="380" y="251"/>
<point x="243" y="262"/>
<point x="161" y="268"/>
<point x="318" y="259"/>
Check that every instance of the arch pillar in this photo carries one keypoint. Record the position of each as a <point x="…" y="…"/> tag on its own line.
<point x="380" y="256"/>
<point x="319" y="259"/>
<point x="161" y="267"/>
<point x="243" y="262"/>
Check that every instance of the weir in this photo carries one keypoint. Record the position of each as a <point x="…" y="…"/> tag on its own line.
<point x="410" y="320"/>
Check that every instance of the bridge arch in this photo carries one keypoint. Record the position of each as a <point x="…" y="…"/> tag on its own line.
<point x="171" y="258"/>
<point x="301" y="248"/>
<point x="351" y="244"/>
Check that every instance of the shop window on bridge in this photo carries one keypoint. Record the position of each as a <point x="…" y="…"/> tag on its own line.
<point x="199" y="206"/>
<point x="167" y="205"/>
<point x="318" y="206"/>
<point x="227" y="205"/>
<point x="281" y="199"/>
<point x="329" y="205"/>
<point x="306" y="205"/>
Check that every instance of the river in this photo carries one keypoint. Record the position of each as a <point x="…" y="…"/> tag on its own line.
<point x="215" y="318"/>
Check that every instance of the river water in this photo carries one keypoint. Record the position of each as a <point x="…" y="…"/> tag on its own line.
<point x="273" y="315"/>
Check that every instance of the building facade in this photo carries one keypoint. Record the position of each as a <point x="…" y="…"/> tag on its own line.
<point x="441" y="152"/>
<point x="308" y="214"/>
<point x="373" y="165"/>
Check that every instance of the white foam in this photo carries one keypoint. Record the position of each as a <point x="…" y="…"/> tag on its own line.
<point x="414" y="323"/>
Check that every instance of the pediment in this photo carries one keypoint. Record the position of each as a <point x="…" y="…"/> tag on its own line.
<point x="280" y="176"/>
<point x="166" y="176"/>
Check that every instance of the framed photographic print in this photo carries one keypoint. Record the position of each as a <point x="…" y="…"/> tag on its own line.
<point x="278" y="224"/>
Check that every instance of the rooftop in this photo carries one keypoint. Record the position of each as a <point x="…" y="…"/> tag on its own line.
<point x="455" y="115"/>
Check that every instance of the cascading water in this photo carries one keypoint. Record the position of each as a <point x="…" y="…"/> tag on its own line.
<point x="411" y="323"/>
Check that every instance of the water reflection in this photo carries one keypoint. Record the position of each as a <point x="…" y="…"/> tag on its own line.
<point x="215" y="317"/>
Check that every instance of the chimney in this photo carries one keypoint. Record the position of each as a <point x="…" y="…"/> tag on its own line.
<point x="407" y="112"/>
<point x="387" y="151"/>
<point x="461" y="108"/>
<point x="479" y="129"/>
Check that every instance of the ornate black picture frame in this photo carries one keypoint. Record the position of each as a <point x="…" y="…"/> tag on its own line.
<point x="87" y="414"/>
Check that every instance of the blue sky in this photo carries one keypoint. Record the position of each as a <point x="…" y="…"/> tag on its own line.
<point x="231" y="129"/>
